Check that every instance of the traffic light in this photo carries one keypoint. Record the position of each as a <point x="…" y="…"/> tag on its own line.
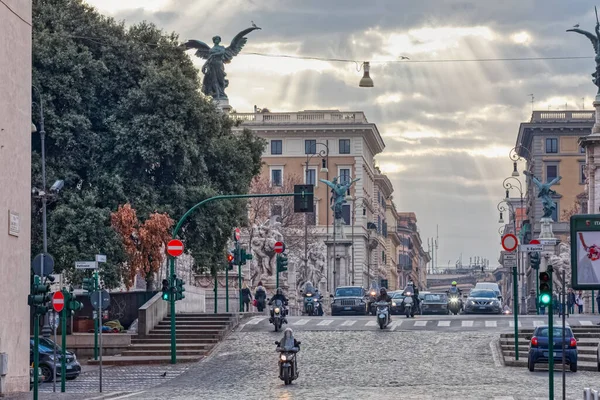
<point x="89" y="285"/>
<point x="304" y="199"/>
<point x="245" y="256"/>
<point x="165" y="289"/>
<point x="282" y="262"/>
<point x="39" y="296"/>
<point x="179" y="289"/>
<point x="545" y="292"/>
<point x="534" y="260"/>
<point x="70" y="303"/>
<point x="230" y="259"/>
<point x="237" y="259"/>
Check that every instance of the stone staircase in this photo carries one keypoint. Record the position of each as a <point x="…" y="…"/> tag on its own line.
<point x="196" y="335"/>
<point x="587" y="337"/>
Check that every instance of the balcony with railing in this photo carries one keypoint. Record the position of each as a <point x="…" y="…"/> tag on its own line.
<point x="562" y="116"/>
<point x="301" y="117"/>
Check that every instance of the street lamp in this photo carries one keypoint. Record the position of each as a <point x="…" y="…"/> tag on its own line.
<point x="324" y="154"/>
<point x="366" y="80"/>
<point x="514" y="155"/>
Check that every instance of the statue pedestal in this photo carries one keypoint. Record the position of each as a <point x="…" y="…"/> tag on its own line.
<point x="223" y="104"/>
<point x="339" y="232"/>
<point x="340" y="262"/>
<point x="546" y="228"/>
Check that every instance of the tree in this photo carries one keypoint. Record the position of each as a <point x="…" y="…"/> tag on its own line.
<point x="126" y="123"/>
<point x="144" y="243"/>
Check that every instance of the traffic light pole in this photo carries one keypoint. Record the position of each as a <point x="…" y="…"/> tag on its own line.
<point x="239" y="257"/>
<point x="63" y="337"/>
<point x="36" y="353"/>
<point x="216" y="290"/>
<point x="172" y="260"/>
<point x="551" y="340"/>
<point x="96" y="320"/>
<point x="172" y="308"/>
<point x="226" y="289"/>
<point x="516" y="312"/>
<point x="537" y="293"/>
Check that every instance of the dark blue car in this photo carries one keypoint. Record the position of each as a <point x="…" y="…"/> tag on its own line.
<point x="538" y="347"/>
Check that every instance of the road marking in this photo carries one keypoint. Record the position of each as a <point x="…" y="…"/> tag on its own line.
<point x="255" y="320"/>
<point x="504" y="398"/>
<point x="301" y="321"/>
<point x="444" y="323"/>
<point x="467" y="323"/>
<point x="128" y="395"/>
<point x="325" y="322"/>
<point x="371" y="323"/>
<point x="421" y="323"/>
<point x="559" y="323"/>
<point x="586" y="323"/>
<point x="490" y="324"/>
<point x="348" y="323"/>
<point x="512" y="324"/>
<point x="396" y="324"/>
<point x="537" y="323"/>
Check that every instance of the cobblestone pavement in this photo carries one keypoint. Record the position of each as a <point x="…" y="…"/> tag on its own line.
<point x="421" y="322"/>
<point x="367" y="365"/>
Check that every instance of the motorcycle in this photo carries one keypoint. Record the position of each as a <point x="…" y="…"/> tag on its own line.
<point x="312" y="304"/>
<point x="383" y="314"/>
<point x="288" y="367"/>
<point x="454" y="305"/>
<point x="409" y="310"/>
<point x="277" y="312"/>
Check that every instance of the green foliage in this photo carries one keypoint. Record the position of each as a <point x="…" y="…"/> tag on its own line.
<point x="126" y="122"/>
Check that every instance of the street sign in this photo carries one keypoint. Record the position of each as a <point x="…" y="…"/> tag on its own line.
<point x="101" y="258"/>
<point x="509" y="242"/>
<point x="279" y="247"/>
<point x="529" y="248"/>
<point x="48" y="264"/>
<point x="86" y="265"/>
<point x="237" y="234"/>
<point x="100" y="298"/>
<point x="509" y="263"/>
<point x="58" y="301"/>
<point x="175" y="248"/>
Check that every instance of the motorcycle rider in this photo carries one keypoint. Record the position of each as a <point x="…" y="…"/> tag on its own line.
<point x="279" y="296"/>
<point x="260" y="296"/>
<point x="372" y="297"/>
<point x="383" y="296"/>
<point x="309" y="288"/>
<point x="288" y="342"/>
<point x="455" y="291"/>
<point x="411" y="288"/>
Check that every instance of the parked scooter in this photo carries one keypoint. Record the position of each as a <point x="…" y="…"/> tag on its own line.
<point x="278" y="312"/>
<point x="288" y="347"/>
<point x="383" y="313"/>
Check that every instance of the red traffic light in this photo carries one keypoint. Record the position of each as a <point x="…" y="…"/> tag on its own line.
<point x="229" y="257"/>
<point x="544" y="277"/>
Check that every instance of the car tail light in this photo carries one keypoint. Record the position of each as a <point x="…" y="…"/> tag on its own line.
<point x="573" y="342"/>
<point x="534" y="341"/>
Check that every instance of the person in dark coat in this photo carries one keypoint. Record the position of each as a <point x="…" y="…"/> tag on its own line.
<point x="246" y="297"/>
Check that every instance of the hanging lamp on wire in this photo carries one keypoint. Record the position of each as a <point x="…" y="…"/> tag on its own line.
<point x="366" y="80"/>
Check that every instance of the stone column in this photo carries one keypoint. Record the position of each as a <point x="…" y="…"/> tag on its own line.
<point x="591" y="143"/>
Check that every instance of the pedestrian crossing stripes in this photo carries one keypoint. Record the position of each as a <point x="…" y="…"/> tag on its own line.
<point x="420" y="323"/>
<point x="255" y="320"/>
<point x="538" y="323"/>
<point x="325" y="322"/>
<point x="490" y="324"/>
<point x="467" y="323"/>
<point x="371" y="323"/>
<point x="511" y="324"/>
<point x="301" y="321"/>
<point x="349" y="323"/>
<point x="444" y="323"/>
<point x="586" y="323"/>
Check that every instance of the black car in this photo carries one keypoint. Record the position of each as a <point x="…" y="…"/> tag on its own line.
<point x="47" y="363"/>
<point x="397" y="303"/>
<point x="349" y="300"/>
<point x="434" y="303"/>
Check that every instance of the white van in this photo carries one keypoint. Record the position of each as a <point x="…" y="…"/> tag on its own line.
<point x="490" y="286"/>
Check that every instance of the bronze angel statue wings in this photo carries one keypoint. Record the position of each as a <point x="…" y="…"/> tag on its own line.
<point x="214" y="81"/>
<point x="595" y="39"/>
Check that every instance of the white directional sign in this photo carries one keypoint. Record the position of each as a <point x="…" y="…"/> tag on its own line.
<point x="510" y="256"/>
<point x="531" y="247"/>
<point x="86" y="265"/>
<point x="510" y="263"/>
<point x="101" y="258"/>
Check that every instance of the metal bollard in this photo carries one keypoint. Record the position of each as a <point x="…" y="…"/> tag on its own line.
<point x="595" y="395"/>
<point x="587" y="394"/>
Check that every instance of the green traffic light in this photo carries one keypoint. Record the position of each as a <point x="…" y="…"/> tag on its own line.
<point x="545" y="298"/>
<point x="165" y="296"/>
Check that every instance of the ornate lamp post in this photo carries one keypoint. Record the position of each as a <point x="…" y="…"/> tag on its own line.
<point x="508" y="207"/>
<point x="324" y="154"/>
<point x="515" y="155"/>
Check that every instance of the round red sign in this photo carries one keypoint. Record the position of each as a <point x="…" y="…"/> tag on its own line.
<point x="175" y="248"/>
<point x="279" y="247"/>
<point x="58" y="301"/>
<point x="237" y="234"/>
<point x="535" y="241"/>
<point x="509" y="242"/>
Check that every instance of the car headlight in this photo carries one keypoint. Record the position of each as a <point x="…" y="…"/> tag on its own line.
<point x="470" y="302"/>
<point x="277" y="310"/>
<point x="50" y="356"/>
<point x="394" y="303"/>
<point x="454" y="300"/>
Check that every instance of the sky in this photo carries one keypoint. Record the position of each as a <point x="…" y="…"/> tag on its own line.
<point x="448" y="126"/>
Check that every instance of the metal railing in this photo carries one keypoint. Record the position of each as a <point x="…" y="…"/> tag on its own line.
<point x="302" y="117"/>
<point x="563" y="116"/>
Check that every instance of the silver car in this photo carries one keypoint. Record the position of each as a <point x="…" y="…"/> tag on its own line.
<point x="482" y="301"/>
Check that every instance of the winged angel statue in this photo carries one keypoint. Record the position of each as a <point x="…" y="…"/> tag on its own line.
<point x="214" y="82"/>
<point x="595" y="39"/>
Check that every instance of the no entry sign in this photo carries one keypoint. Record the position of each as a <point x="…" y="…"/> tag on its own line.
<point x="175" y="248"/>
<point x="237" y="234"/>
<point x="279" y="247"/>
<point x="509" y="242"/>
<point x="58" y="301"/>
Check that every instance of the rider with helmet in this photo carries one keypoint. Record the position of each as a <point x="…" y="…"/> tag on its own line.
<point x="281" y="297"/>
<point x="383" y="296"/>
<point x="456" y="292"/>
<point x="412" y="291"/>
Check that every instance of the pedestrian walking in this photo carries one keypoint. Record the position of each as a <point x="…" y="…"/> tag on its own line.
<point x="571" y="302"/>
<point x="246" y="297"/>
<point x="260" y="296"/>
<point x="555" y="303"/>
<point x="579" y="302"/>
